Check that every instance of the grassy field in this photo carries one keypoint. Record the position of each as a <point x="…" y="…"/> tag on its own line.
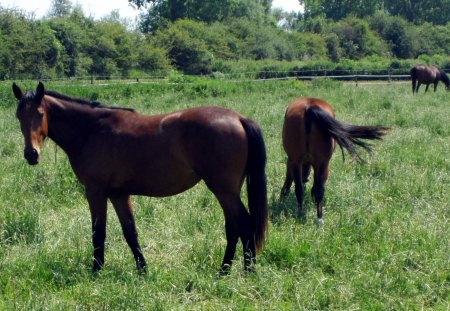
<point x="384" y="244"/>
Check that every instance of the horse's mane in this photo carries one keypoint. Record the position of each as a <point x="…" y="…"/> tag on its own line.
<point x="93" y="104"/>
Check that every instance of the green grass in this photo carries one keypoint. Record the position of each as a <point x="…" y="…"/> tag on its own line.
<point x="384" y="244"/>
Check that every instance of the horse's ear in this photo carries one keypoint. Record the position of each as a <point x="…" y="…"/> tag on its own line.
<point x="17" y="91"/>
<point x="40" y="91"/>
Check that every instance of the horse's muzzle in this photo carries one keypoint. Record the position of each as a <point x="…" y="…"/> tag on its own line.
<point x="32" y="156"/>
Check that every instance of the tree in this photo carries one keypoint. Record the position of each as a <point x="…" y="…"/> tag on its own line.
<point x="415" y="11"/>
<point x="339" y="9"/>
<point x="28" y="47"/>
<point x="185" y="46"/>
<point x="60" y="8"/>
<point x="397" y="33"/>
<point x="356" y="38"/>
<point x="418" y="11"/>
<point x="160" y="12"/>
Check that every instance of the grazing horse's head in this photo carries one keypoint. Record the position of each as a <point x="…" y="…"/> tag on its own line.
<point x="445" y="79"/>
<point x="33" y="120"/>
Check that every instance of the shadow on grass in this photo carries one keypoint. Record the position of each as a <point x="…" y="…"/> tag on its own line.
<point x="282" y="207"/>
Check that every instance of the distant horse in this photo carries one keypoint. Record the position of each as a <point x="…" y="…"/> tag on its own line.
<point x="116" y="152"/>
<point x="310" y="133"/>
<point x="427" y="75"/>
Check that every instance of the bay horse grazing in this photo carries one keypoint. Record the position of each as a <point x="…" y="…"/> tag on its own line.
<point x="117" y="152"/>
<point x="310" y="133"/>
<point x="421" y="74"/>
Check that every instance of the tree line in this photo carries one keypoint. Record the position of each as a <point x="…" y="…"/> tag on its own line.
<point x="220" y="36"/>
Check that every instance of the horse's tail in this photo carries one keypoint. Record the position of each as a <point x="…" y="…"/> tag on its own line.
<point x="347" y="136"/>
<point x="413" y="73"/>
<point x="256" y="181"/>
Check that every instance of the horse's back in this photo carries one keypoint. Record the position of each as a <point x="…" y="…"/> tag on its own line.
<point x="425" y="74"/>
<point x="302" y="144"/>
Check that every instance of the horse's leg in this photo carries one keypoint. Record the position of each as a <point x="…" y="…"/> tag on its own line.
<point x="237" y="224"/>
<point x="288" y="180"/>
<point x="232" y="235"/>
<point x="418" y="85"/>
<point x="435" y="85"/>
<point x="426" y="89"/>
<point x="318" y="189"/>
<point x="297" y="172"/>
<point x="122" y="205"/>
<point x="97" y="205"/>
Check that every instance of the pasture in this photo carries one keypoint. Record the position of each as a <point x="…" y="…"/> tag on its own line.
<point x="384" y="244"/>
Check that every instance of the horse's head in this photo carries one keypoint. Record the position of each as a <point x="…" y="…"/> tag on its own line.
<point x="33" y="120"/>
<point x="445" y="79"/>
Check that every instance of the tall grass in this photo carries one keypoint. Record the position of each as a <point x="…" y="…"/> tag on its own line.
<point x="384" y="244"/>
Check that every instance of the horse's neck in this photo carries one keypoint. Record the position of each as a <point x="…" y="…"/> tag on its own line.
<point x="69" y="125"/>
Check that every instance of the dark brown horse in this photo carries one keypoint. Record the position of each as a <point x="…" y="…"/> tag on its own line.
<point x="421" y="74"/>
<point x="117" y="152"/>
<point x="310" y="133"/>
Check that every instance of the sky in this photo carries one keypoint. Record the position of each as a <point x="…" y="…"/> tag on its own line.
<point x="99" y="8"/>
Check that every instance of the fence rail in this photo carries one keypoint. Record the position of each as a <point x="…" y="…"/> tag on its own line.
<point x="380" y="74"/>
<point x="306" y="75"/>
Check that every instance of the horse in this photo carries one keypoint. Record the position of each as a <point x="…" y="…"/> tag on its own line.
<point x="427" y="75"/>
<point x="310" y="133"/>
<point x="116" y="152"/>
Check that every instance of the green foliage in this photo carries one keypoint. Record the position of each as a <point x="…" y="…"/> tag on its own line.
<point x="397" y="33"/>
<point x="433" y="40"/>
<point x="185" y="47"/>
<point x="161" y="11"/>
<point x="337" y="10"/>
<point x="310" y="46"/>
<point x="60" y="8"/>
<point x="28" y="49"/>
<point x="357" y="40"/>
<point x="433" y="11"/>
<point x="70" y="44"/>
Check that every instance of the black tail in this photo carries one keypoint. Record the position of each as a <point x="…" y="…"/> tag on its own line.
<point x="413" y="73"/>
<point x="256" y="181"/>
<point x="346" y="135"/>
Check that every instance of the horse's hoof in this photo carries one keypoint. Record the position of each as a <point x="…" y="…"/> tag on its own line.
<point x="224" y="270"/>
<point x="250" y="269"/>
<point x="142" y="270"/>
<point x="320" y="222"/>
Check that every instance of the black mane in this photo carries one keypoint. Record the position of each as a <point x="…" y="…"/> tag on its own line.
<point x="93" y="104"/>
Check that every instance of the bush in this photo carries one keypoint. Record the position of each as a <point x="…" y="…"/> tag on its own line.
<point x="357" y="40"/>
<point x="185" y="48"/>
<point x="310" y="46"/>
<point x="398" y="34"/>
<point x="152" y="59"/>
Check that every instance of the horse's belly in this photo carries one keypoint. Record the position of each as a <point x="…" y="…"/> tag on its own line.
<point x="155" y="185"/>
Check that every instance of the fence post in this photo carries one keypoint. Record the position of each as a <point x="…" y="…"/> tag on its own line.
<point x="356" y="79"/>
<point x="92" y="79"/>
